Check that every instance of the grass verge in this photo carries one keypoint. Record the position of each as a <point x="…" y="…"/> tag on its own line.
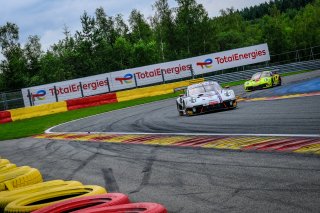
<point x="34" y="126"/>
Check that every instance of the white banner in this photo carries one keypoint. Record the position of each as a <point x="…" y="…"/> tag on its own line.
<point x="231" y="58"/>
<point x="146" y="75"/>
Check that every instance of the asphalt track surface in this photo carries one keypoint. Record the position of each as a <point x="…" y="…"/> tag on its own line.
<point x="184" y="179"/>
<point x="287" y="116"/>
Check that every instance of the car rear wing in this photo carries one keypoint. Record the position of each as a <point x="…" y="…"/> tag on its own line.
<point x="179" y="89"/>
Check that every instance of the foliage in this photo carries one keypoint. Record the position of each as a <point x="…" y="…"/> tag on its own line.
<point x="106" y="43"/>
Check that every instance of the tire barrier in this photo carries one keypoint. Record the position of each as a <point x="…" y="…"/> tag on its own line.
<point x="4" y="162"/>
<point x="5" y="117"/>
<point x="7" y="167"/>
<point x="90" y="101"/>
<point x="42" y="199"/>
<point x="9" y="196"/>
<point x="19" y="177"/>
<point x="131" y="207"/>
<point x="86" y="203"/>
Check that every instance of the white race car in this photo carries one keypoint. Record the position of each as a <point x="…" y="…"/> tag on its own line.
<point x="204" y="97"/>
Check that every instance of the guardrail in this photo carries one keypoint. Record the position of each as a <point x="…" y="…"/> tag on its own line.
<point x="242" y="75"/>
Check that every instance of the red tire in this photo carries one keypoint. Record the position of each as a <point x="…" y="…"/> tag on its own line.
<point x="86" y="203"/>
<point x="131" y="207"/>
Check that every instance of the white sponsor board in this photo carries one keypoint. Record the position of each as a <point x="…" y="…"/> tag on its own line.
<point x="231" y="58"/>
<point x="140" y="76"/>
<point x="66" y="90"/>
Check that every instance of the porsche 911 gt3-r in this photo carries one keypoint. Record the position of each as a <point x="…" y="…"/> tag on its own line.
<point x="204" y="97"/>
<point x="262" y="80"/>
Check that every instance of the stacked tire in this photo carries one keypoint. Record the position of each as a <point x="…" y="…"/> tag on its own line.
<point x="22" y="190"/>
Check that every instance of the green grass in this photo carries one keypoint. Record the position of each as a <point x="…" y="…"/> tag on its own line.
<point x="34" y="126"/>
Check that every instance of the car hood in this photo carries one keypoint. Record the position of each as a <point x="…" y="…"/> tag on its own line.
<point x="205" y="95"/>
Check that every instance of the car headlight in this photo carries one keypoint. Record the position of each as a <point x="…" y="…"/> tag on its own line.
<point x="265" y="79"/>
<point x="193" y="100"/>
<point x="227" y="93"/>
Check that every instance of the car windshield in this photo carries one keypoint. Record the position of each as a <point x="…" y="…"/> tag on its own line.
<point x="204" y="88"/>
<point x="256" y="76"/>
<point x="265" y="74"/>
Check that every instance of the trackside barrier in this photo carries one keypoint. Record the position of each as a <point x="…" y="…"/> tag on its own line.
<point x="5" y="117"/>
<point x="22" y="190"/>
<point x="90" y="101"/>
<point x="15" y="177"/>
<point x="42" y="199"/>
<point x="130" y="207"/>
<point x="85" y="203"/>
<point x="152" y="91"/>
<point x="36" y="111"/>
<point x="78" y="103"/>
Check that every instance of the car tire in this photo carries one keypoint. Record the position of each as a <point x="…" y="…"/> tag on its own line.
<point x="86" y="203"/>
<point x="19" y="177"/>
<point x="7" y="167"/>
<point x="179" y="110"/>
<point x="52" y="196"/>
<point x="4" y="162"/>
<point x="131" y="207"/>
<point x="7" y="197"/>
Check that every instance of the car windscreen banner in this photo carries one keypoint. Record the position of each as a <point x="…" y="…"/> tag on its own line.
<point x="146" y="75"/>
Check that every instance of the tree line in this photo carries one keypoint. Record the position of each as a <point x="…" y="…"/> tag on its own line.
<point x="109" y="43"/>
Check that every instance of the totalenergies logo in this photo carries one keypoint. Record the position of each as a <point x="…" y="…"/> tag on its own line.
<point x="126" y="79"/>
<point x="207" y="63"/>
<point x="40" y="95"/>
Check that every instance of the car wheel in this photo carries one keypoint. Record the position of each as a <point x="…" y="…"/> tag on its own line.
<point x="280" y="81"/>
<point x="179" y="108"/>
<point x="234" y="104"/>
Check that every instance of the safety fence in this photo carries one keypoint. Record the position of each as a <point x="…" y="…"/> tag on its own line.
<point x="292" y="67"/>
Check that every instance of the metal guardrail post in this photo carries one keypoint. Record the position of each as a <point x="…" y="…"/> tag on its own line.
<point x="135" y="80"/>
<point x="30" y="97"/>
<point x="55" y="93"/>
<point x="108" y="84"/>
<point x="162" y="74"/>
<point x="80" y="84"/>
<point x="5" y="103"/>
<point x="192" y="72"/>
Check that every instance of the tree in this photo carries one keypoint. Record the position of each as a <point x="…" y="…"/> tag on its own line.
<point x="140" y="29"/>
<point x="14" y="67"/>
<point x="164" y="30"/>
<point x="189" y="27"/>
<point x="33" y="54"/>
<point x="122" y="52"/>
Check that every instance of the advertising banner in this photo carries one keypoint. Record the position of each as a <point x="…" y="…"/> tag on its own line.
<point x="231" y="58"/>
<point x="66" y="90"/>
<point x="141" y="76"/>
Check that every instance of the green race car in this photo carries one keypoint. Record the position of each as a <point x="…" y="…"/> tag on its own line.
<point x="262" y="80"/>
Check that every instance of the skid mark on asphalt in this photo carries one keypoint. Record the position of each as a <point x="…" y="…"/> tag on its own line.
<point x="110" y="181"/>
<point x="307" y="145"/>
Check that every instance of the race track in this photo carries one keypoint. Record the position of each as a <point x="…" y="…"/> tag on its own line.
<point x="287" y="116"/>
<point x="189" y="179"/>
